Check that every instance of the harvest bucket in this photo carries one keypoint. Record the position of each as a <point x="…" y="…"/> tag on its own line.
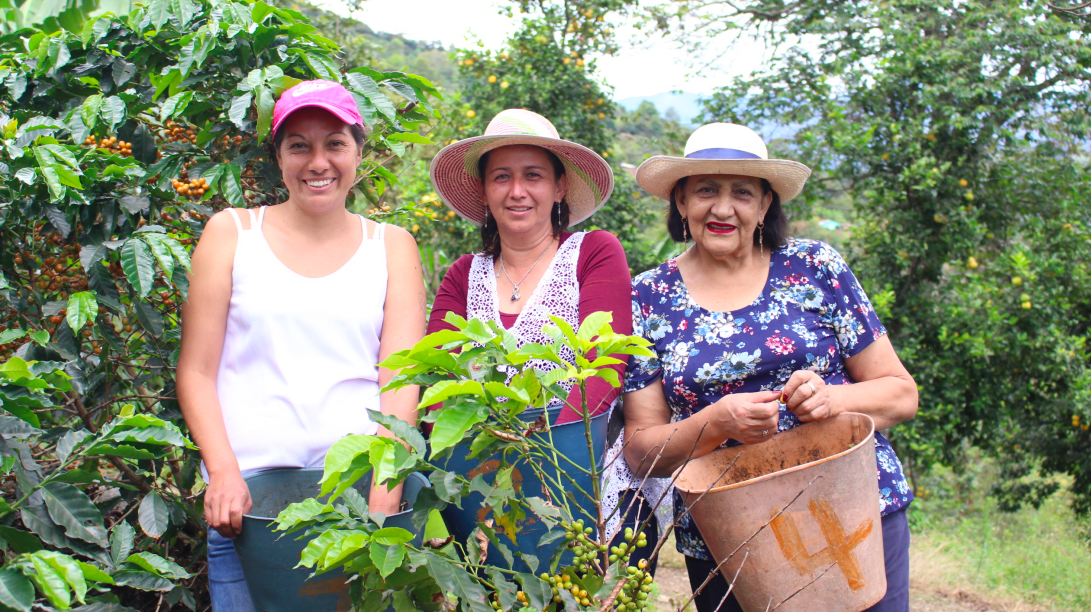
<point x="269" y="557"/>
<point x="571" y="442"/>
<point x="825" y="550"/>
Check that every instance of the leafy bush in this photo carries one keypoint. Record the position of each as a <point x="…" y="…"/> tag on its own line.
<point x="119" y="141"/>
<point x="491" y="416"/>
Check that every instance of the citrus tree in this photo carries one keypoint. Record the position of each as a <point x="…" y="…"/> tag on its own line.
<point x="547" y="66"/>
<point x="960" y="133"/>
<point x="120" y="139"/>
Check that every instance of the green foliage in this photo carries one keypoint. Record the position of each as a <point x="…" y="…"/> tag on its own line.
<point x="1039" y="556"/>
<point x="485" y="411"/>
<point x="960" y="132"/>
<point x="50" y="15"/>
<point x="642" y="133"/>
<point x="120" y="139"/>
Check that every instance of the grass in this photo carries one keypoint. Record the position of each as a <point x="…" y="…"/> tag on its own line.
<point x="1032" y="559"/>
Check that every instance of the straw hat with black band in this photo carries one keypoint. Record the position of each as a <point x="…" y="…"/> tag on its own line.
<point x="723" y="148"/>
<point x="455" y="174"/>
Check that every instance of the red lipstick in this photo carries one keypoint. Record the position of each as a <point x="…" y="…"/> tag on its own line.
<point x="720" y="228"/>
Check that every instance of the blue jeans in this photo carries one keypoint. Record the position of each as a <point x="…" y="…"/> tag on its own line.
<point x="226" y="584"/>
<point x="895" y="550"/>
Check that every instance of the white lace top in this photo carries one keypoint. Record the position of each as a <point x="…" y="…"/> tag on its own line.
<point x="558" y="294"/>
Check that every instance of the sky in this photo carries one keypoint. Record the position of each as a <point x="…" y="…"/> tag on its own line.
<point x="646" y="69"/>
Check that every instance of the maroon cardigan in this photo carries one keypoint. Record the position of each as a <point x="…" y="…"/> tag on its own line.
<point x="605" y="284"/>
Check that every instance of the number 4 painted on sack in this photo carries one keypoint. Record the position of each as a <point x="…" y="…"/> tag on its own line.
<point x="839" y="546"/>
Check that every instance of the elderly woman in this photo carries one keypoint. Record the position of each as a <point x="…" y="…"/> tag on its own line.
<point x="290" y="310"/>
<point x="747" y="316"/>
<point x="524" y="186"/>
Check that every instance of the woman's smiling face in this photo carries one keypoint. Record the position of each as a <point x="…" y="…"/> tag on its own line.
<point x="318" y="159"/>
<point x="520" y="187"/>
<point x="723" y="211"/>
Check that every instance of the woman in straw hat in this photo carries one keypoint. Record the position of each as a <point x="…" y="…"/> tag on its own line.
<point x="755" y="332"/>
<point x="525" y="186"/>
<point x="290" y="310"/>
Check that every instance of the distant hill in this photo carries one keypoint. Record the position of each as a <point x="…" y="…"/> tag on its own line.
<point x="361" y="45"/>
<point x="687" y="105"/>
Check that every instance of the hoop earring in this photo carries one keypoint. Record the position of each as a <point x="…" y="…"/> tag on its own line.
<point x="685" y="230"/>
<point x="761" y="239"/>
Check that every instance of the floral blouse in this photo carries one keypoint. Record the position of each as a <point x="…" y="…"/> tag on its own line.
<point x="811" y="315"/>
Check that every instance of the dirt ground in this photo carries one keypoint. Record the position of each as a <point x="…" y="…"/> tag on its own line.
<point x="674" y="590"/>
<point x="927" y="593"/>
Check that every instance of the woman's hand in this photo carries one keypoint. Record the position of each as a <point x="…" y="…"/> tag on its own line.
<point x="750" y="417"/>
<point x="226" y="500"/>
<point x="808" y="396"/>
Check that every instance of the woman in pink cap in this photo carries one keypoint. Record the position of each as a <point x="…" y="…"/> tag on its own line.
<point x="290" y="310"/>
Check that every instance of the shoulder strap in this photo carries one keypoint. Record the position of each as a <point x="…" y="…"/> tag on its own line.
<point x="261" y="216"/>
<point x="379" y="231"/>
<point x="235" y="215"/>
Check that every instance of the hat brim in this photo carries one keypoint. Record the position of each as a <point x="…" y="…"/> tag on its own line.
<point x="454" y="174"/>
<point x="659" y="174"/>
<point x="338" y="112"/>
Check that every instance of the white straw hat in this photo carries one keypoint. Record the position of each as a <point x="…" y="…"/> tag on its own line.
<point x="723" y="148"/>
<point x="454" y="169"/>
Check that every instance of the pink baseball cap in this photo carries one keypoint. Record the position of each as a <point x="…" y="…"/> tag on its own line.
<point x="321" y="93"/>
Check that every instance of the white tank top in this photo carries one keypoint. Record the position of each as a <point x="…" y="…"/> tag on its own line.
<point x="299" y="364"/>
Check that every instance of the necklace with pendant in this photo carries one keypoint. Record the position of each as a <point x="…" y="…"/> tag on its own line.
<point x="514" y="285"/>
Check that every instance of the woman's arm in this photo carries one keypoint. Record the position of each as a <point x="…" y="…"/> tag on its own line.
<point x="605" y="285"/>
<point x="451" y="295"/>
<point x="649" y="431"/>
<point x="883" y="389"/>
<point x="404" y="319"/>
<point x="204" y="324"/>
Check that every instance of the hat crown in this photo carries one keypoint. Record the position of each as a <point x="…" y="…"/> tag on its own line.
<point x="319" y="93"/>
<point x="520" y="121"/>
<point x="306" y="87"/>
<point x="725" y="141"/>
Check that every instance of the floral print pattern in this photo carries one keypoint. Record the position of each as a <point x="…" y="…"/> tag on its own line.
<point x="812" y="315"/>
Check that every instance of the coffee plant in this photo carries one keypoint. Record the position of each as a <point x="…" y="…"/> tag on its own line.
<point x="121" y="136"/>
<point x="494" y="416"/>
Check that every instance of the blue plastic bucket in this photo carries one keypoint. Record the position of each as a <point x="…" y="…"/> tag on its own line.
<point x="571" y="441"/>
<point x="269" y="557"/>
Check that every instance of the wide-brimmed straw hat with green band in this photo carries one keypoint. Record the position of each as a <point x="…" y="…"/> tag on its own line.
<point x="455" y="176"/>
